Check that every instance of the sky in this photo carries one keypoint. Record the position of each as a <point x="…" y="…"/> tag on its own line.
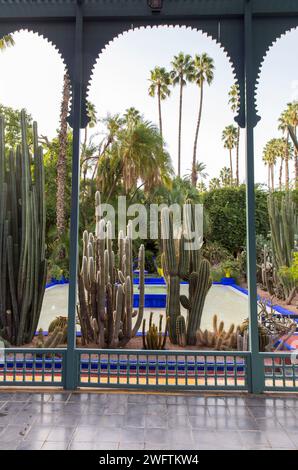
<point x="32" y="74"/>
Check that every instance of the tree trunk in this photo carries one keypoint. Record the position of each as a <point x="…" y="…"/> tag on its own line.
<point x="62" y="158"/>
<point x="231" y="167"/>
<point x="269" y="184"/>
<point x="280" y="174"/>
<point x="159" y="111"/>
<point x="272" y="177"/>
<point x="194" y="176"/>
<point x="296" y="171"/>
<point x="287" y="164"/>
<point x="237" y="156"/>
<point x="179" y="129"/>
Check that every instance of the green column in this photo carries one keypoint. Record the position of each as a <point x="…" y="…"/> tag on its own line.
<point x="71" y="371"/>
<point x="256" y="381"/>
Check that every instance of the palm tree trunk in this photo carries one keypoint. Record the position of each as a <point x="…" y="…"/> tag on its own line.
<point x="287" y="164"/>
<point x="231" y="166"/>
<point x="179" y="128"/>
<point x="269" y="184"/>
<point x="280" y="174"/>
<point x="237" y="156"/>
<point x="159" y="111"/>
<point x="296" y="171"/>
<point x="272" y="176"/>
<point x="61" y="163"/>
<point x="194" y="175"/>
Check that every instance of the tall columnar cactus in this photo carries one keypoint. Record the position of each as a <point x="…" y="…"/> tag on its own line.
<point x="106" y="286"/>
<point x="283" y="220"/>
<point x="23" y="266"/>
<point x="180" y="262"/>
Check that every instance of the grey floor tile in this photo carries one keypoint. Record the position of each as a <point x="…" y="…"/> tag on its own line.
<point x="10" y="445"/>
<point x="254" y="438"/>
<point x="228" y="440"/>
<point x="176" y="400"/>
<point x="52" y="445"/>
<point x="157" y="409"/>
<point x="38" y="432"/>
<point x="90" y="419"/>
<point x="62" y="397"/>
<point x="132" y="446"/>
<point x="109" y="434"/>
<point x="136" y="409"/>
<point x="204" y="437"/>
<point x="218" y="411"/>
<point x="175" y="410"/>
<point x="134" y="421"/>
<point x="61" y="433"/>
<point x="20" y="396"/>
<point x="66" y="420"/>
<point x="179" y="421"/>
<point x="132" y="435"/>
<point x="46" y="418"/>
<point x="22" y="418"/>
<point x="74" y="408"/>
<point x="268" y="424"/>
<point x="137" y="398"/>
<point x="157" y="399"/>
<point x="156" y="436"/>
<point x="81" y="445"/>
<point x="279" y="438"/>
<point x="13" y="407"/>
<point x="13" y="432"/>
<point x="110" y="421"/>
<point x="198" y="411"/>
<point x="181" y="437"/>
<point x="105" y="446"/>
<point x="30" y="445"/>
<point x="85" y="433"/>
<point x="156" y="421"/>
<point x="293" y="437"/>
<point x="289" y="424"/>
<point x="40" y="397"/>
<point x="260" y="411"/>
<point x="6" y="396"/>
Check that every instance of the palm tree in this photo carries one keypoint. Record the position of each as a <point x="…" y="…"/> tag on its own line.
<point x="234" y="102"/>
<point x="91" y="113"/>
<point x="225" y="176"/>
<point x="200" y="172"/>
<point x="214" y="183"/>
<point x="137" y="156"/>
<point x="62" y="154"/>
<point x="132" y="116"/>
<point x="6" y="41"/>
<point x="181" y="73"/>
<point x="203" y="72"/>
<point x="229" y="137"/>
<point x="284" y="121"/>
<point x="160" y="81"/>
<point x="269" y="158"/>
<point x="292" y="112"/>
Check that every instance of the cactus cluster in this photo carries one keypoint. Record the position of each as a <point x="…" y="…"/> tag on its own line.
<point x="57" y="336"/>
<point x="23" y="267"/>
<point x="219" y="339"/>
<point x="181" y="263"/>
<point x="283" y="220"/>
<point x="105" y="285"/>
<point x="154" y="338"/>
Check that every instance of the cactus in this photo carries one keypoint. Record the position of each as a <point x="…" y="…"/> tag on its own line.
<point x="105" y="307"/>
<point x="283" y="220"/>
<point x="218" y="339"/>
<point x="23" y="266"/>
<point x="57" y="337"/>
<point x="154" y="338"/>
<point x="61" y="322"/>
<point x="180" y="263"/>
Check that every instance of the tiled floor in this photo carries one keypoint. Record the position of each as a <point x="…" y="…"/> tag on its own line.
<point x="137" y="421"/>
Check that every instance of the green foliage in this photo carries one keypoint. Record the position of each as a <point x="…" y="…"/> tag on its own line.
<point x="13" y="135"/>
<point x="226" y="209"/>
